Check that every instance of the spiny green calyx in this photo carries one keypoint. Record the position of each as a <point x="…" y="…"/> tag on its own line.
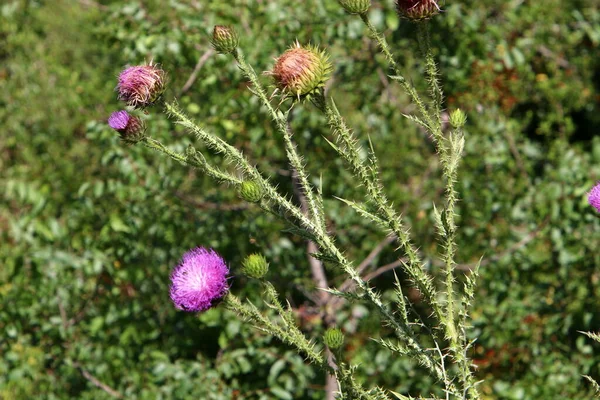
<point x="417" y="10"/>
<point x="301" y="71"/>
<point x="334" y="338"/>
<point x="251" y="191"/>
<point x="255" y="266"/>
<point x="355" y="6"/>
<point x="225" y="39"/>
<point x="458" y="118"/>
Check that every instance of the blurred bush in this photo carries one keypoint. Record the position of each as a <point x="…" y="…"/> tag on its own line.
<point x="89" y="228"/>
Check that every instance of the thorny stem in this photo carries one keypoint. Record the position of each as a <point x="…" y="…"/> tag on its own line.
<point x="408" y="88"/>
<point x="322" y="238"/>
<point x="281" y="120"/>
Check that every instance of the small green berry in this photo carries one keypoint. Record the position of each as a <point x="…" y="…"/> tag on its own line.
<point x="334" y="338"/>
<point x="225" y="39"/>
<point x="251" y="191"/>
<point x="458" y="118"/>
<point x="255" y="266"/>
<point x="355" y="6"/>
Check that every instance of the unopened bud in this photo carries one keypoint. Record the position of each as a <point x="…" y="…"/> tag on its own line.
<point x="458" y="118"/>
<point x="301" y="71"/>
<point x="255" y="266"/>
<point x="355" y="6"/>
<point x="131" y="129"/>
<point x="417" y="9"/>
<point x="334" y="338"/>
<point x="251" y="191"/>
<point x="225" y="39"/>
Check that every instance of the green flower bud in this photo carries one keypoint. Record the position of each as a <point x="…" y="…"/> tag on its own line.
<point x="458" y="118"/>
<point x="251" y="191"/>
<point x="255" y="266"/>
<point x="334" y="338"/>
<point x="301" y="71"/>
<point x="355" y="6"/>
<point x="225" y="39"/>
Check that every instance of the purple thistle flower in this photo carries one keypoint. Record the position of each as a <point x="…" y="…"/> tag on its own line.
<point x="141" y="85"/>
<point x="594" y="197"/>
<point x="199" y="281"/>
<point x="130" y="128"/>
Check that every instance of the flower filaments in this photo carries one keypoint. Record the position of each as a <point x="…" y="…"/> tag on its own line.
<point x="141" y="85"/>
<point x="417" y="9"/>
<point x="225" y="39"/>
<point x="199" y="281"/>
<point x="131" y="129"/>
<point x="355" y="6"/>
<point x="594" y="197"/>
<point x="301" y="71"/>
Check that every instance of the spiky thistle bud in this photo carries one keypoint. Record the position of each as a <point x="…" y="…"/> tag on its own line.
<point x="251" y="191"/>
<point x="141" y="85"/>
<point x="255" y="266"/>
<point x="355" y="6"/>
<point x="301" y="71"/>
<point x="333" y="338"/>
<point x="131" y="129"/>
<point x="417" y="10"/>
<point x="594" y="197"/>
<point x="458" y="118"/>
<point x="225" y="39"/>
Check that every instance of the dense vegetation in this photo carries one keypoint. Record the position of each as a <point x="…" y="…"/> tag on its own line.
<point x="90" y="228"/>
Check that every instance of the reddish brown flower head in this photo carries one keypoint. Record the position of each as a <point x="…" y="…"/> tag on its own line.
<point x="301" y="71"/>
<point x="141" y="85"/>
<point x="417" y="9"/>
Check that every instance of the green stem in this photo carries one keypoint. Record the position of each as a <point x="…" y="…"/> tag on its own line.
<point x="315" y="203"/>
<point x="408" y="88"/>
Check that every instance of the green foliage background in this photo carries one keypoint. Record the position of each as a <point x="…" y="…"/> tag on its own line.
<point x="89" y="228"/>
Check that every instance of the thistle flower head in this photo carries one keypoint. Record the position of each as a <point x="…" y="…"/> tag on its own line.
<point x="131" y="129"/>
<point x="255" y="266"/>
<point x="417" y="9"/>
<point x="251" y="191"/>
<point x="594" y="197"/>
<point x="141" y="85"/>
<point x="199" y="281"/>
<point x="301" y="71"/>
<point x="458" y="118"/>
<point x="225" y="39"/>
<point x="333" y="338"/>
<point x="355" y="6"/>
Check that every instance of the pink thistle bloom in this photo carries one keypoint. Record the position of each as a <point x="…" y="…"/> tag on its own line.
<point x="141" y="85"/>
<point x="594" y="197"/>
<point x="199" y="281"/>
<point x="130" y="128"/>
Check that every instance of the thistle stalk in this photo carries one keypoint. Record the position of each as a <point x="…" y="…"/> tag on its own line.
<point x="281" y="122"/>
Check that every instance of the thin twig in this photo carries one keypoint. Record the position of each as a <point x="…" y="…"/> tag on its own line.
<point x="194" y="75"/>
<point x="98" y="383"/>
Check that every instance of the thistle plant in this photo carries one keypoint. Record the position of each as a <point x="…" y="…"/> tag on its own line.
<point x="298" y="75"/>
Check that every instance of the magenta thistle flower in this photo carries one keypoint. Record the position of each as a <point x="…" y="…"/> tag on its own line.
<point x="594" y="197"/>
<point x="130" y="128"/>
<point x="199" y="281"/>
<point x="141" y="85"/>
